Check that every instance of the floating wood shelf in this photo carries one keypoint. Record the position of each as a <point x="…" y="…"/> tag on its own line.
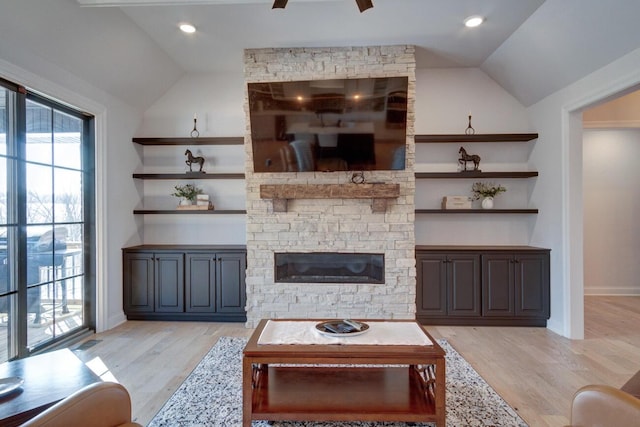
<point x="476" y="211"/>
<point x="219" y="140"/>
<point x="187" y="212"/>
<point x="379" y="193"/>
<point x="487" y="137"/>
<point x="463" y="175"/>
<point x="208" y="175"/>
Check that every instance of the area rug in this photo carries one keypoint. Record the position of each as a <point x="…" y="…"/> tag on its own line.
<point x="211" y="396"/>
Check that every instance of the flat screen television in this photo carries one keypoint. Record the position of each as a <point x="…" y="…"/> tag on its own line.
<point x="329" y="125"/>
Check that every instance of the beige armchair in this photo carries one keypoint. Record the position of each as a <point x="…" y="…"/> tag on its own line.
<point x="604" y="406"/>
<point x="103" y="404"/>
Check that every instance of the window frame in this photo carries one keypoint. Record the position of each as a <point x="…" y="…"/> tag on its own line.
<point x="17" y="341"/>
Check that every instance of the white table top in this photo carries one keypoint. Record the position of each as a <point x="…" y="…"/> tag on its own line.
<point x="380" y="333"/>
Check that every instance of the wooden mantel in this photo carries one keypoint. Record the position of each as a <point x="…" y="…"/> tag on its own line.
<point x="379" y="193"/>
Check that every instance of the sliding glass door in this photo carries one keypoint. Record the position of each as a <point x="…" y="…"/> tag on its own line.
<point x="8" y="229"/>
<point x="46" y="263"/>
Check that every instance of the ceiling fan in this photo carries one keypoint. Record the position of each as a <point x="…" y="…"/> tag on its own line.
<point x="362" y="4"/>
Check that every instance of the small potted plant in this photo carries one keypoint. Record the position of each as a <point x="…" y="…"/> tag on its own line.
<point x="486" y="191"/>
<point x="187" y="193"/>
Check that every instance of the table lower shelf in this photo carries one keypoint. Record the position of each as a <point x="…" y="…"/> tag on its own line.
<point x="342" y="394"/>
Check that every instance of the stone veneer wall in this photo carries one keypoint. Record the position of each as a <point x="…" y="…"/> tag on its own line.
<point x="331" y="225"/>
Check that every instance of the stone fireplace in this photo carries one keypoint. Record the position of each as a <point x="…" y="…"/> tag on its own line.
<point x="320" y="213"/>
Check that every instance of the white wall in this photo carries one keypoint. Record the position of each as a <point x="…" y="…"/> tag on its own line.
<point x="444" y="100"/>
<point x="558" y="154"/>
<point x="115" y="158"/>
<point x="117" y="227"/>
<point x="217" y="100"/>
<point x="611" y="203"/>
<point x="446" y="97"/>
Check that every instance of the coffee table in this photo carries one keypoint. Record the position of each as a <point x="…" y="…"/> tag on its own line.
<point x="328" y="382"/>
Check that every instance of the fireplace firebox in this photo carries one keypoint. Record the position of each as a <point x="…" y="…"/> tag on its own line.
<point x="329" y="267"/>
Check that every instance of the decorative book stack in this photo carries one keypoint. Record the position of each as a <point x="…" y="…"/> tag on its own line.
<point x="202" y="204"/>
<point x="202" y="201"/>
<point x="456" y="202"/>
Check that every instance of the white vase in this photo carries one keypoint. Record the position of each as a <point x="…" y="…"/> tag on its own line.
<point x="487" y="203"/>
<point x="185" y="202"/>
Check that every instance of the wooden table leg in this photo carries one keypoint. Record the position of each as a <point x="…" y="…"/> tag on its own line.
<point x="247" y="391"/>
<point x="440" y="393"/>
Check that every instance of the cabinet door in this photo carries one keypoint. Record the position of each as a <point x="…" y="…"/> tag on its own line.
<point x="498" y="285"/>
<point x="200" y="283"/>
<point x="230" y="284"/>
<point x="431" y="291"/>
<point x="169" y="286"/>
<point x="532" y="285"/>
<point x="138" y="282"/>
<point x="463" y="285"/>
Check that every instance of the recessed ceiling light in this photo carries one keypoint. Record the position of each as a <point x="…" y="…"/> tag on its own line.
<point x="473" y="21"/>
<point x="188" y="28"/>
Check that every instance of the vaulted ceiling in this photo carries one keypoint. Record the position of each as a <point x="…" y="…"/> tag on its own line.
<point x="133" y="49"/>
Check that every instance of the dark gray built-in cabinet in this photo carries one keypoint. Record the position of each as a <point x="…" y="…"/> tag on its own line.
<point x="449" y="284"/>
<point x="482" y="285"/>
<point x="193" y="282"/>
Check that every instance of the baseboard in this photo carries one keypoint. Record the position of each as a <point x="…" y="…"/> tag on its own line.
<point x="115" y="320"/>
<point x="555" y="326"/>
<point x="611" y="291"/>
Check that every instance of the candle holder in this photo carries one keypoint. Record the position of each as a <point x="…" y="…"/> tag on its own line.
<point x="470" y="130"/>
<point x="194" y="132"/>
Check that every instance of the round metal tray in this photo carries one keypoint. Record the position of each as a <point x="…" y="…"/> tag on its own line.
<point x="339" y="325"/>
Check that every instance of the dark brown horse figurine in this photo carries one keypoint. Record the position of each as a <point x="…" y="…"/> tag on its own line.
<point x="191" y="159"/>
<point x="464" y="158"/>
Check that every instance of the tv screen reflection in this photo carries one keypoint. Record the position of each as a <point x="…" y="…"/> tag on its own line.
<point x="329" y="125"/>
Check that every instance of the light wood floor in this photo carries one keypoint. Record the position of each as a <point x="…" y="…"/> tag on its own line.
<point x="533" y="369"/>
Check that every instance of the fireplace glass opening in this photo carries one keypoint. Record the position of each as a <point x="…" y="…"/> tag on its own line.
<point x="329" y="267"/>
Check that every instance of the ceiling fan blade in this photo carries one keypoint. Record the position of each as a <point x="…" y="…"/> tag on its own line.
<point x="364" y="5"/>
<point x="279" y="4"/>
